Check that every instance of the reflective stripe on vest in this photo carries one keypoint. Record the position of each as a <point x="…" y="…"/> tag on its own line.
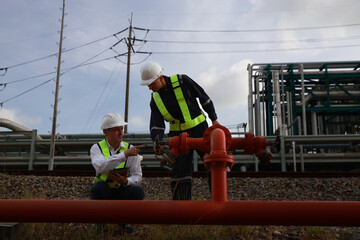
<point x="175" y="124"/>
<point x="106" y="152"/>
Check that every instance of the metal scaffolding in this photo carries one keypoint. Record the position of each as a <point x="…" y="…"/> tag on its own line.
<point x="322" y="96"/>
<point x="305" y="99"/>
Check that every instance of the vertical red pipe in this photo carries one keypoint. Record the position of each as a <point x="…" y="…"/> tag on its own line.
<point x="218" y="169"/>
<point x="218" y="161"/>
<point x="218" y="182"/>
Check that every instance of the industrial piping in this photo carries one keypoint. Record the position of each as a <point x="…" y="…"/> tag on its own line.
<point x="283" y="213"/>
<point x="218" y="211"/>
<point x="16" y="127"/>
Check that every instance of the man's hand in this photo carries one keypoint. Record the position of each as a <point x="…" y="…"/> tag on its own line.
<point x="216" y="122"/>
<point x="133" y="151"/>
<point x="119" y="178"/>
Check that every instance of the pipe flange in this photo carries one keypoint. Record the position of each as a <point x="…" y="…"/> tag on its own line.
<point x="226" y="131"/>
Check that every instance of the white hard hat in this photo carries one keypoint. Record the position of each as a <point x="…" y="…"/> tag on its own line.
<point x="150" y="72"/>
<point x="111" y="120"/>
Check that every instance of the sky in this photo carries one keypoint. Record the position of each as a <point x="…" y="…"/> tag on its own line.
<point x="211" y="41"/>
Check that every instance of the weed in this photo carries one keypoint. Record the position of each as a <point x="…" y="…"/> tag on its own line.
<point x="27" y="194"/>
<point x="314" y="232"/>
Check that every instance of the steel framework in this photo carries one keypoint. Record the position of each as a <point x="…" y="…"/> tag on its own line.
<point x="306" y="99"/>
<point x="323" y="96"/>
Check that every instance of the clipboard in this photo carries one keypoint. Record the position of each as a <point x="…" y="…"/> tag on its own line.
<point x="121" y="171"/>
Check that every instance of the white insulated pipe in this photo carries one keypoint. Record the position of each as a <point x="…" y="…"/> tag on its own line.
<point x="250" y="101"/>
<point x="303" y="99"/>
<point x="277" y="102"/>
<point x="16" y="127"/>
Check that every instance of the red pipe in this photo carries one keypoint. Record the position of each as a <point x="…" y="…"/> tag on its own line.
<point x="218" y="160"/>
<point x="286" y="213"/>
<point x="182" y="144"/>
<point x="218" y="211"/>
<point x="252" y="145"/>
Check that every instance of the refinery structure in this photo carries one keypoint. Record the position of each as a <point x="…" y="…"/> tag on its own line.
<point x="308" y="112"/>
<point x="323" y="96"/>
<point x="312" y="109"/>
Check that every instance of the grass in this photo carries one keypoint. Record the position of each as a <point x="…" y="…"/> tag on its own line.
<point x="314" y="232"/>
<point x="60" y="231"/>
<point x="26" y="194"/>
<point x="71" y="231"/>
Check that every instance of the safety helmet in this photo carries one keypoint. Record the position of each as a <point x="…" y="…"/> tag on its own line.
<point x="150" y="72"/>
<point x="111" y="120"/>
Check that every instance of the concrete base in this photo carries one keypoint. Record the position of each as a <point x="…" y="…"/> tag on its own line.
<point x="8" y="230"/>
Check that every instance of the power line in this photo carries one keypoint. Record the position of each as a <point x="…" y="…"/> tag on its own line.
<point x="207" y="13"/>
<point x="64" y="71"/>
<point x="33" y="88"/>
<point x="141" y="61"/>
<point x="80" y="65"/>
<point x="67" y="50"/>
<point x="189" y="52"/>
<point x="98" y="40"/>
<point x="98" y="100"/>
<point x="200" y="42"/>
<point x="250" y="51"/>
<point x="30" y="61"/>
<point x="254" y="42"/>
<point x="248" y="30"/>
<point x="97" y="61"/>
<point x="85" y="63"/>
<point x="28" y="78"/>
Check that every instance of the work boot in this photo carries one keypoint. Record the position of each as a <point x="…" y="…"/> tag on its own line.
<point x="181" y="190"/>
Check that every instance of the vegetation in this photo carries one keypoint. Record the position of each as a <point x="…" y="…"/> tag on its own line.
<point x="69" y="231"/>
<point x="84" y="231"/>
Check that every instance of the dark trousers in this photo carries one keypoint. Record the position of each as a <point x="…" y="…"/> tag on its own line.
<point x="101" y="191"/>
<point x="182" y="168"/>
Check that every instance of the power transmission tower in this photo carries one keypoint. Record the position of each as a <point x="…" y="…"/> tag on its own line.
<point x="128" y="76"/>
<point x="53" y="132"/>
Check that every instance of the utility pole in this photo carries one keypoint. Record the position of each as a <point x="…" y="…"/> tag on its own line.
<point x="53" y="133"/>
<point x="128" y="76"/>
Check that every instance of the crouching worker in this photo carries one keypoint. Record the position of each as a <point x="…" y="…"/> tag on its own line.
<point x="117" y="165"/>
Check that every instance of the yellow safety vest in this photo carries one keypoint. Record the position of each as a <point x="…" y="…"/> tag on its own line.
<point x="175" y="124"/>
<point x="106" y="152"/>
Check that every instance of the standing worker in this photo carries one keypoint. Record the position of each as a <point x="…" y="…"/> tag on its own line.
<point x="174" y="99"/>
<point x="117" y="165"/>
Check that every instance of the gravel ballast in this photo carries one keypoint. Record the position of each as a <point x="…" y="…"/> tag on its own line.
<point x="267" y="189"/>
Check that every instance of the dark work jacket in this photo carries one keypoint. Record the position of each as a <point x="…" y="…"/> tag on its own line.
<point x="191" y="91"/>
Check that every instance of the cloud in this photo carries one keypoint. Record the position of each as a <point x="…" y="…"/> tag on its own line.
<point x="229" y="88"/>
<point x="18" y="117"/>
<point x="306" y="13"/>
<point x="138" y="122"/>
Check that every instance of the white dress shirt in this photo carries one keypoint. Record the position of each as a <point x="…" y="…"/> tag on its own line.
<point x="104" y="165"/>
